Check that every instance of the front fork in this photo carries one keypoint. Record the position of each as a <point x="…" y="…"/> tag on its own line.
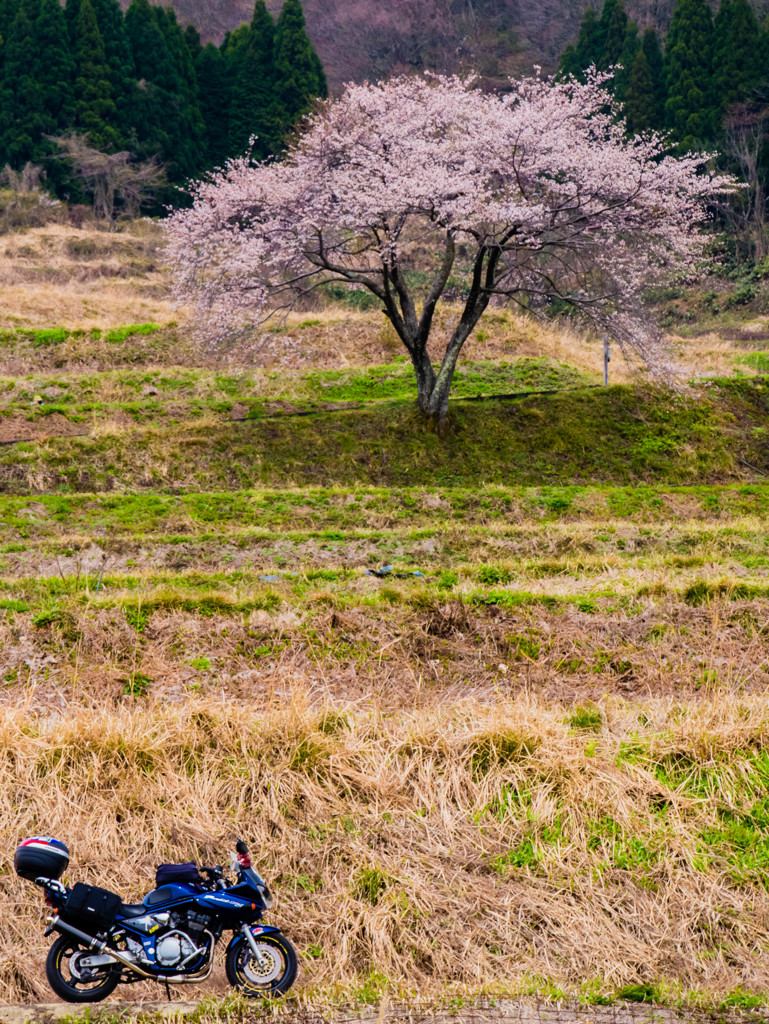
<point x="254" y="946"/>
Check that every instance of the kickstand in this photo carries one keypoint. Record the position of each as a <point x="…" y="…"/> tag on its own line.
<point x="168" y="992"/>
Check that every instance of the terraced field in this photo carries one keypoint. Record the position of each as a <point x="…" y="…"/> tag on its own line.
<point x="492" y="706"/>
<point x="573" y="592"/>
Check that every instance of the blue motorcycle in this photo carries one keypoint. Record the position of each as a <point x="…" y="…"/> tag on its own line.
<point x="169" y="937"/>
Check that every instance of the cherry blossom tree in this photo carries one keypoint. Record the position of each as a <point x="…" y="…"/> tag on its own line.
<point x="532" y="196"/>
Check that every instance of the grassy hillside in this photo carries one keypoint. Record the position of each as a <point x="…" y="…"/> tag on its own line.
<point x="615" y="435"/>
<point x="571" y="593"/>
<point x="488" y="705"/>
<point x="512" y="847"/>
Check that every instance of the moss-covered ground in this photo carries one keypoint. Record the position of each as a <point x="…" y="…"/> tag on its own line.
<point x="619" y="435"/>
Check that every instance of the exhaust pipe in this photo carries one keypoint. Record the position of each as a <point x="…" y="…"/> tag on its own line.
<point x="87" y="940"/>
<point x="92" y="943"/>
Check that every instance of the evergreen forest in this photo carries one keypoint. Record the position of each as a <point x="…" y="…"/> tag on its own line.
<point x="705" y="84"/>
<point x="141" y="83"/>
<point x="685" y="84"/>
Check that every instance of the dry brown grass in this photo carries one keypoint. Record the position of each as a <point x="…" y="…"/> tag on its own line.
<point x="405" y="761"/>
<point x="394" y="655"/>
<point x="465" y="847"/>
<point x="79" y="278"/>
<point x="710" y="355"/>
<point x="334" y="336"/>
<point x="61" y="276"/>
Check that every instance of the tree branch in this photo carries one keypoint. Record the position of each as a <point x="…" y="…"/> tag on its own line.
<point x="438" y="287"/>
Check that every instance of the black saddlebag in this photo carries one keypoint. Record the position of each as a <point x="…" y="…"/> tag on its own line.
<point x="91" y="908"/>
<point x="167" y="873"/>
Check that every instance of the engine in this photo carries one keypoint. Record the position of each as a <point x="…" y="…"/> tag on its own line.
<point x="183" y="938"/>
<point x="173" y="948"/>
<point x="196" y="924"/>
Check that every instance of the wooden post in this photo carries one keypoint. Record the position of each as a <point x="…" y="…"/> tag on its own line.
<point x="606" y="358"/>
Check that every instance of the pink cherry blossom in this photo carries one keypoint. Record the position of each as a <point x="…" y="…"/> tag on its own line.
<point x="532" y="196"/>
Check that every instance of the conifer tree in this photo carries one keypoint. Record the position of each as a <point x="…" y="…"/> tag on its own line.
<point x="211" y="69"/>
<point x="656" y="64"/>
<point x="569" y="65"/>
<point x="689" y="65"/>
<point x="54" y="66"/>
<point x="8" y="9"/>
<point x="20" y="93"/>
<point x="297" y="82"/>
<point x="36" y="83"/>
<point x="168" y="120"/>
<point x="95" y="113"/>
<point x="588" y="49"/>
<point x="737" y="65"/>
<point x="721" y="25"/>
<point x="630" y="47"/>
<point x="234" y="45"/>
<point x="255" y="108"/>
<point x="152" y="60"/>
<point x="192" y="39"/>
<point x="117" y="51"/>
<point x="640" y="101"/>
<point x="611" y="33"/>
<point x="71" y="11"/>
<point x="186" y="128"/>
<point x="148" y="46"/>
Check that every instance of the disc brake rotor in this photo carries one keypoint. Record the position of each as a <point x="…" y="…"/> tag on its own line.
<point x="80" y="974"/>
<point x="268" y="970"/>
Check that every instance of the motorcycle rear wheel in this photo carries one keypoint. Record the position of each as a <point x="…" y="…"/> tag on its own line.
<point x="67" y="985"/>
<point x="273" y="978"/>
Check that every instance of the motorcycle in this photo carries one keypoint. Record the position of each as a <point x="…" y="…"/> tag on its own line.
<point x="169" y="937"/>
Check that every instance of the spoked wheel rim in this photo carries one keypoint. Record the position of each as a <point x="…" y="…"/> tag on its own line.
<point x="76" y="976"/>
<point x="272" y="968"/>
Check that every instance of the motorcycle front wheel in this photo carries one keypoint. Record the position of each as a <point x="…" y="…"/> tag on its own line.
<point x="274" y="976"/>
<point x="78" y="985"/>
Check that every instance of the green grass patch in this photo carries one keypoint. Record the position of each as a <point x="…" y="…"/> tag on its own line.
<point x="118" y="334"/>
<point x="757" y="360"/>
<point x="471" y="380"/>
<point x="370" y="884"/>
<point x="500" y="748"/>
<point x="344" y="513"/>
<point x="589" y="436"/>
<point x="586" y="718"/>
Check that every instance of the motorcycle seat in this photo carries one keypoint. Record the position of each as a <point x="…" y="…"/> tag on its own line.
<point x="132" y="910"/>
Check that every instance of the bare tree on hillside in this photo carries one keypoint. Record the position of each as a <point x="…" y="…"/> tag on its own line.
<point x="115" y="181"/>
<point x="746" y="132"/>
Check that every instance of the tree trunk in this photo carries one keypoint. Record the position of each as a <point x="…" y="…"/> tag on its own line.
<point x="439" y="403"/>
<point x="433" y="389"/>
<point x="425" y="375"/>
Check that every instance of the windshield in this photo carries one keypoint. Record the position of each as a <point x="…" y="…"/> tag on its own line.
<point x="249" y="875"/>
<point x="257" y="882"/>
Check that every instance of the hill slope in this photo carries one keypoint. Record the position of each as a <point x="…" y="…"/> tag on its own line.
<point x="366" y="39"/>
<point x="491" y="708"/>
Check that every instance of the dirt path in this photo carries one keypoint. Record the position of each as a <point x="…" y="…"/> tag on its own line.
<point x="32" y="1013"/>
<point x="505" y="1012"/>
